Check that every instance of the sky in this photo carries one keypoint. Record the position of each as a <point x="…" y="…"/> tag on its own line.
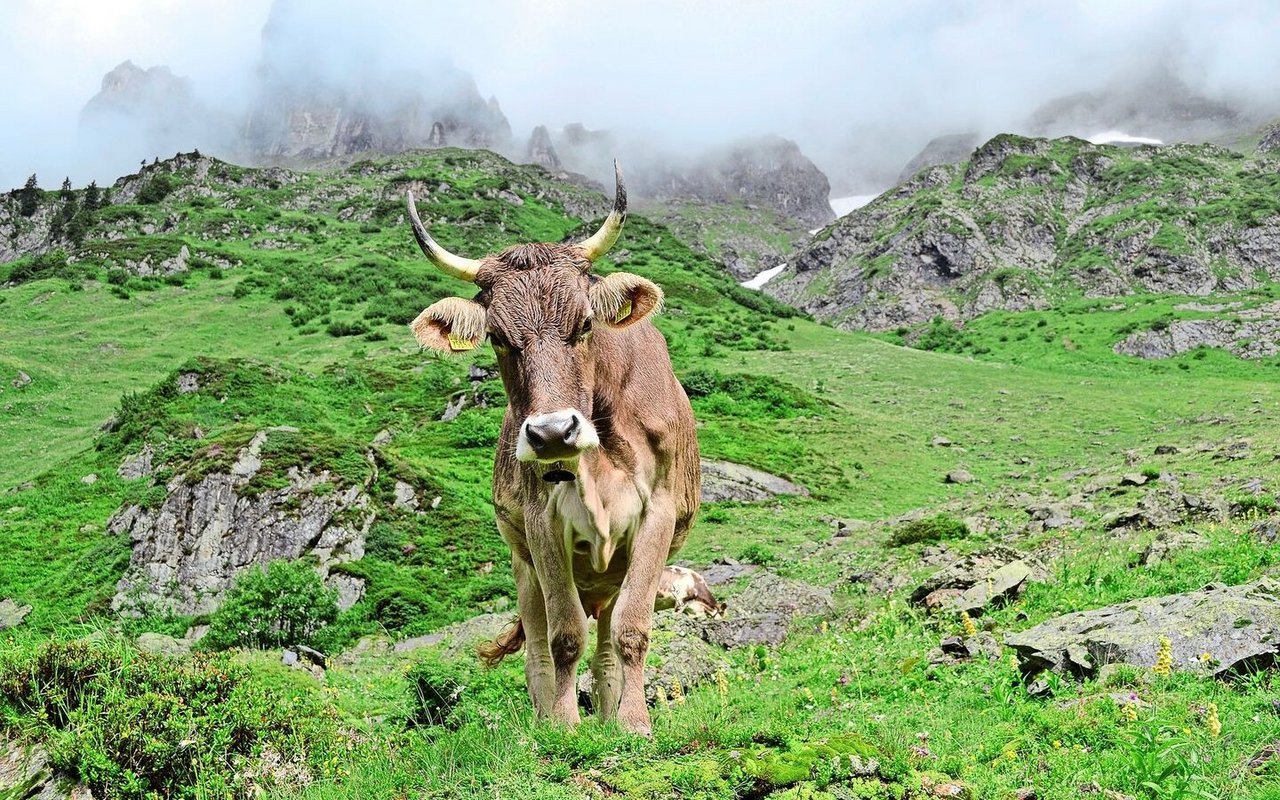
<point x="845" y="79"/>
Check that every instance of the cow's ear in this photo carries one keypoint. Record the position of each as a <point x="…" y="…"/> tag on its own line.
<point x="452" y="325"/>
<point x="621" y="299"/>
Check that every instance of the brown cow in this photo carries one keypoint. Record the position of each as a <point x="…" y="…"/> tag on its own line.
<point x="596" y="479"/>
<point x="687" y="592"/>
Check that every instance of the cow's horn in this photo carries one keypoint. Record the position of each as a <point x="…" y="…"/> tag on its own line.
<point x="457" y="266"/>
<point x="604" y="238"/>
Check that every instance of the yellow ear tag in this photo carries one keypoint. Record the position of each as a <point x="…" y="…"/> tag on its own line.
<point x="623" y="312"/>
<point x="458" y="343"/>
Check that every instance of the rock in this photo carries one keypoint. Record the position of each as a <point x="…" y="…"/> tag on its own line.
<point x="22" y="381"/>
<point x="162" y="645"/>
<point x="995" y="589"/>
<point x="12" y="614"/>
<point x="26" y="774"/>
<point x="724" y="570"/>
<point x="848" y="527"/>
<point x="1003" y="568"/>
<point x="959" y="476"/>
<point x="349" y="588"/>
<point x="137" y="465"/>
<point x="1167" y="450"/>
<point x="406" y="498"/>
<point x="289" y="658"/>
<point x="383" y="437"/>
<point x="1268" y="530"/>
<point x="1133" y="479"/>
<point x="723" y="480"/>
<point x="187" y="551"/>
<point x="418" y="642"/>
<point x="1169" y="542"/>
<point x="951" y="148"/>
<point x="90" y="479"/>
<point x="541" y="151"/>
<point x="954" y="649"/>
<point x="311" y="654"/>
<point x="941" y="441"/>
<point x="1238" y="626"/>
<point x="188" y="382"/>
<point x="761" y="613"/>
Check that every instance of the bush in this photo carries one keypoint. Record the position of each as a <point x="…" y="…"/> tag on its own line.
<point x="135" y="725"/>
<point x="155" y="190"/>
<point x="285" y="604"/>
<point x="757" y="554"/>
<point x="751" y="396"/>
<point x="929" y="529"/>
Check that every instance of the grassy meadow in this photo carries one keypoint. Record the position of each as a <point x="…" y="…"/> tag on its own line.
<point x="293" y="313"/>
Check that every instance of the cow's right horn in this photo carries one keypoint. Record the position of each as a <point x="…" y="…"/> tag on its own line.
<point x="603" y="239"/>
<point x="457" y="266"/>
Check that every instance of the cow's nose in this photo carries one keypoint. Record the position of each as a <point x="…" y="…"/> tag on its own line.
<point x="553" y="434"/>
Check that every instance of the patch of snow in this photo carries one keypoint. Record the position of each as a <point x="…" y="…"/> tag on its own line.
<point x="1120" y="137"/>
<point x="764" y="277"/>
<point x="843" y="205"/>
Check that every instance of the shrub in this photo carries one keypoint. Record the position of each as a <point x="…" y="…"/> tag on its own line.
<point x="929" y="529"/>
<point x="757" y="554"/>
<point x="136" y="725"/>
<point x="155" y="190"/>
<point x="285" y="604"/>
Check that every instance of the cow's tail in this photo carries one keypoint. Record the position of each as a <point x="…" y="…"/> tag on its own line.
<point x="508" y="643"/>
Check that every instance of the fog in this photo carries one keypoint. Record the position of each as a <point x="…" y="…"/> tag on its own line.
<point x="860" y="86"/>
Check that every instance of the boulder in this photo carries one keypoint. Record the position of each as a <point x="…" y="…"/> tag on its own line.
<point x="12" y="614"/>
<point x="1167" y="543"/>
<point x="162" y="645"/>
<point x="959" y="476"/>
<point x="762" y="612"/>
<point x="1238" y="627"/>
<point x="137" y="465"/>
<point x="723" y="480"/>
<point x="988" y="576"/>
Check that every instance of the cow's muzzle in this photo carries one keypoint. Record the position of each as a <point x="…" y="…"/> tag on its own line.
<point x="557" y="436"/>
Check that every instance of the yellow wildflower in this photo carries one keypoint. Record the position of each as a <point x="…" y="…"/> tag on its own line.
<point x="970" y="629"/>
<point x="1164" y="657"/>
<point x="1212" y="722"/>
<point x="677" y="691"/>
<point x="661" y="692"/>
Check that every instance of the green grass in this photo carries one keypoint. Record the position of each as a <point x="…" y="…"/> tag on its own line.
<point x="1027" y="399"/>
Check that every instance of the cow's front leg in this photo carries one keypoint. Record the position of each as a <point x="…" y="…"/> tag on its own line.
<point x="633" y="614"/>
<point x="539" y="674"/>
<point x="606" y="673"/>
<point x="566" y="627"/>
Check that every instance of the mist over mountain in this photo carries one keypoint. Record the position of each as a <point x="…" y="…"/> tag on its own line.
<point x="257" y="80"/>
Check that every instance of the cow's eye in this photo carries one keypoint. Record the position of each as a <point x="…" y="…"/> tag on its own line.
<point x="586" y="328"/>
<point x="499" y="341"/>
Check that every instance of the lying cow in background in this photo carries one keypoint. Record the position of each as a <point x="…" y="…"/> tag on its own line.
<point x="685" y="590"/>
<point x="596" y="480"/>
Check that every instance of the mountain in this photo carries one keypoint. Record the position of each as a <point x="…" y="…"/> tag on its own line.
<point x="1025" y="223"/>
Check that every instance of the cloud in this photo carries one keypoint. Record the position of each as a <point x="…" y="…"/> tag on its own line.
<point x="859" y="85"/>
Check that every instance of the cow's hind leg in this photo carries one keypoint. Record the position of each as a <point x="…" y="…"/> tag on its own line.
<point x="539" y="672"/>
<point x="606" y="668"/>
<point x="633" y="617"/>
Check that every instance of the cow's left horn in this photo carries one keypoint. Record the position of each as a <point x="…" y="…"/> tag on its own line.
<point x="604" y="238"/>
<point x="457" y="266"/>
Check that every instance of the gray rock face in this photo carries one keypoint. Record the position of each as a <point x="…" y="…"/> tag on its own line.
<point x="541" y="151"/>
<point x="1024" y="218"/>
<point x="1237" y="626"/>
<point x="724" y="480"/>
<point x="1270" y="142"/>
<point x="12" y="613"/>
<point x="26" y="774"/>
<point x="949" y="149"/>
<point x="1249" y="334"/>
<point x="137" y="465"/>
<point x="187" y="552"/>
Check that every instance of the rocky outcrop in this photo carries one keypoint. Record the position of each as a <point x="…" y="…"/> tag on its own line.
<point x="1025" y="220"/>
<point x="188" y="550"/>
<point x="1270" y="141"/>
<point x="977" y="581"/>
<point x="949" y="149"/>
<point x="762" y="613"/>
<point x="1219" y="630"/>
<point x="541" y="151"/>
<point x="27" y="774"/>
<point x="1254" y="333"/>
<point x="724" y="480"/>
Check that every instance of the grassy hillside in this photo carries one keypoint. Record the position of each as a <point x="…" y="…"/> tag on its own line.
<point x="291" y="312"/>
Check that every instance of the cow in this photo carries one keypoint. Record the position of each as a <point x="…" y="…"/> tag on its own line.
<point x="687" y="592"/>
<point x="596" y="478"/>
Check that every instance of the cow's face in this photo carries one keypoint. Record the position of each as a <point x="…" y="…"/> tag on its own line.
<point x="539" y="307"/>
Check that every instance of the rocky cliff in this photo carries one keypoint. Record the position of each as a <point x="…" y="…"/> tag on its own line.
<point x="1025" y="222"/>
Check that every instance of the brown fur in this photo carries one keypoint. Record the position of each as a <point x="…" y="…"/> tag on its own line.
<point x="536" y="300"/>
